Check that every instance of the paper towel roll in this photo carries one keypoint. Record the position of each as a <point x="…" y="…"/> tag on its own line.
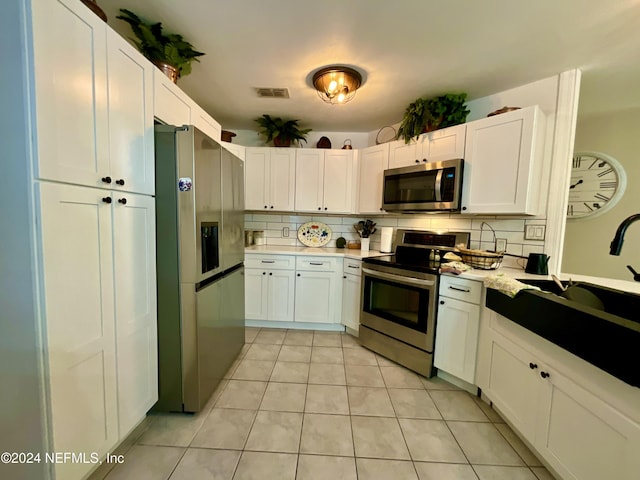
<point x="386" y="239"/>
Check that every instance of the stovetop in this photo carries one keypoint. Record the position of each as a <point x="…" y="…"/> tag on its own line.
<point x="413" y="261"/>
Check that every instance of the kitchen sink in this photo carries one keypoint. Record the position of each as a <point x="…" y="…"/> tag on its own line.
<point x="608" y="339"/>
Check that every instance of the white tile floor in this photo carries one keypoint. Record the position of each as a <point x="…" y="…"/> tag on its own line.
<point x="315" y="405"/>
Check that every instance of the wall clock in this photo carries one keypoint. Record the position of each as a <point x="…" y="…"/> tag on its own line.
<point x="597" y="184"/>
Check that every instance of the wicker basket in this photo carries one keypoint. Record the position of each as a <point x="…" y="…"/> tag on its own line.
<point x="481" y="259"/>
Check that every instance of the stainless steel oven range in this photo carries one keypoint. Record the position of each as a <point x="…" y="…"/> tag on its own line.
<point x="399" y="296"/>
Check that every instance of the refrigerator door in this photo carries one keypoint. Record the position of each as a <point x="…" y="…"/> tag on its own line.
<point x="232" y="237"/>
<point x="199" y="204"/>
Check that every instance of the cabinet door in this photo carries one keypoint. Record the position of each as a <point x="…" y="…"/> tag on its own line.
<point x="134" y="255"/>
<point x="514" y="385"/>
<point x="445" y="144"/>
<point x="338" y="181"/>
<point x="77" y="277"/>
<point x="373" y="162"/>
<point x="502" y="164"/>
<point x="237" y="150"/>
<point x="256" y="178"/>
<point x="205" y="123"/>
<point x="351" y="301"/>
<point x="457" y="338"/>
<point x="583" y="437"/>
<point x="309" y="180"/>
<point x="69" y="43"/>
<point x="130" y="84"/>
<point x="280" y="295"/>
<point x="316" y="297"/>
<point x="282" y="179"/>
<point x="255" y="299"/>
<point x="170" y="104"/>
<point x="403" y="154"/>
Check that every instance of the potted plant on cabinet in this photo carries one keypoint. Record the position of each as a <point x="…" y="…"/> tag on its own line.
<point x="426" y="115"/>
<point x="169" y="52"/>
<point x="281" y="132"/>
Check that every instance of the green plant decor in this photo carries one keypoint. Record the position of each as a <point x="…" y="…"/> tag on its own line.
<point x="169" y="48"/>
<point x="425" y="115"/>
<point x="281" y="132"/>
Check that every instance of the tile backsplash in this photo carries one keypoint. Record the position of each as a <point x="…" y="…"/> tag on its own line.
<point x="511" y="229"/>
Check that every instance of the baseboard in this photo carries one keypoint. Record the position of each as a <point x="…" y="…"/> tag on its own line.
<point x="333" y="327"/>
<point x="458" y="382"/>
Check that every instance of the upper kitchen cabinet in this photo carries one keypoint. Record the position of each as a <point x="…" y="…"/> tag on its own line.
<point x="130" y="89"/>
<point x="324" y="181"/>
<point x="443" y="144"/>
<point x="503" y="163"/>
<point x="270" y="178"/>
<point x="238" y="150"/>
<point x="170" y="104"/>
<point x="205" y="123"/>
<point x="70" y="72"/>
<point x="372" y="163"/>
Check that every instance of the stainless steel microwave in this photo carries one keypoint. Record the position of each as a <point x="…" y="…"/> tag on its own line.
<point x="427" y="187"/>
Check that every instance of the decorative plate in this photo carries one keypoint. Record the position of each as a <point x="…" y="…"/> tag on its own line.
<point x="314" y="234"/>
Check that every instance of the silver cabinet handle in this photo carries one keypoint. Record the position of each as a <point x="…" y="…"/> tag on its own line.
<point x="465" y="290"/>
<point x="268" y="261"/>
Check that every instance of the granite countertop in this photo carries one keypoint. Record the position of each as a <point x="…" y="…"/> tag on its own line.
<point x="333" y="252"/>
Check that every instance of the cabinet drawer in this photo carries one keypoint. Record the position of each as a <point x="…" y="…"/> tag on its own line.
<point x="460" y="288"/>
<point x="273" y="262"/>
<point x="318" y="264"/>
<point x="352" y="267"/>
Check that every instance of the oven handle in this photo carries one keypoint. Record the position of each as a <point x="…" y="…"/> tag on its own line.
<point x="397" y="278"/>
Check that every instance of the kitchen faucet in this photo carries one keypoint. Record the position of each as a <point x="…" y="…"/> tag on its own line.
<point x="616" y="244"/>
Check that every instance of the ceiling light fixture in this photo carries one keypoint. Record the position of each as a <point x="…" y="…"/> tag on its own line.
<point x="337" y="84"/>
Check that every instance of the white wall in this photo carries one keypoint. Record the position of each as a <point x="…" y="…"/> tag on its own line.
<point x="587" y="241"/>
<point x="250" y="138"/>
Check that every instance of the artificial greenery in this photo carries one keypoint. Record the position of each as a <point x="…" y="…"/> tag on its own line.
<point x="430" y="114"/>
<point x="168" y="48"/>
<point x="282" y="132"/>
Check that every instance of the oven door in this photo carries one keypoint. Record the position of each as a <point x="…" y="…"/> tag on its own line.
<point x="400" y="304"/>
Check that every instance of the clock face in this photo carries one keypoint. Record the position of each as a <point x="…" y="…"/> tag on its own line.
<point x="597" y="184"/>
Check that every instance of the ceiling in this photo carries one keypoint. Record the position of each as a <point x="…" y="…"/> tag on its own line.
<point x="405" y="49"/>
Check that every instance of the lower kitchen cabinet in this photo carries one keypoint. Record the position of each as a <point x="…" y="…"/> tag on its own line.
<point x="578" y="431"/>
<point x="100" y="303"/>
<point x="351" y="286"/>
<point x="269" y="287"/>
<point x="318" y="289"/>
<point x="269" y="294"/>
<point x="457" y="327"/>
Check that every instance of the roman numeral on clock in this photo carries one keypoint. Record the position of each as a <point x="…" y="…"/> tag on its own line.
<point x="570" y="210"/>
<point x="599" y="196"/>
<point x="576" y="162"/>
<point x="605" y="172"/>
<point x="610" y="184"/>
<point x="587" y="205"/>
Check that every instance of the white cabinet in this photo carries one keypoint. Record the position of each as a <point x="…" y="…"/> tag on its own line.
<point x="70" y="70"/>
<point x="372" y="163"/>
<point x="443" y="144"/>
<point x="457" y="327"/>
<point x="205" y="123"/>
<point x="270" y="178"/>
<point x="134" y="256"/>
<point x="351" y="285"/>
<point x="170" y="104"/>
<point x="575" y="424"/>
<point x="237" y="150"/>
<point x="318" y="297"/>
<point x="503" y="163"/>
<point x="78" y="289"/>
<point x="269" y="287"/>
<point x="324" y="181"/>
<point x="130" y="87"/>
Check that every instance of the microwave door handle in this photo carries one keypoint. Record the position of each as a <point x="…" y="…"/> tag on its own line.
<point x="439" y="185"/>
<point x="397" y="278"/>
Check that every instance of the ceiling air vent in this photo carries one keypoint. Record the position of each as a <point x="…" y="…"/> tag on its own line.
<point x="272" y="92"/>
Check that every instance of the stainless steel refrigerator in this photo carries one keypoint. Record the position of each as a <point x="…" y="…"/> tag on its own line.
<point x="200" y="255"/>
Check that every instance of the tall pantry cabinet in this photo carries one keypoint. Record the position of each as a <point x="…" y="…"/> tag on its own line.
<point x="93" y="181"/>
